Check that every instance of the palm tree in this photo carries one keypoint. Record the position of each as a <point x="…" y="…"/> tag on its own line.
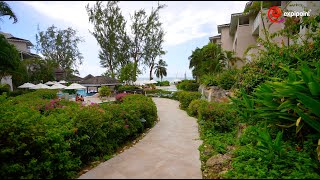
<point x="230" y="59"/>
<point x="160" y="69"/>
<point x="5" y="10"/>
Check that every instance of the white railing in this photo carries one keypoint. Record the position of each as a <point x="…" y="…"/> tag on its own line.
<point x="256" y="23"/>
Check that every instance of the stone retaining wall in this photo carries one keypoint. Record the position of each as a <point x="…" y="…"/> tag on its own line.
<point x="214" y="93"/>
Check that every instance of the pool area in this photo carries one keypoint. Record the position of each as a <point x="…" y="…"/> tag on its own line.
<point x="90" y="94"/>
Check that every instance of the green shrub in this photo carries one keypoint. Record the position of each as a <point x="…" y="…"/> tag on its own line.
<point x="144" y="106"/>
<point x="272" y="159"/>
<point x="55" y="139"/>
<point x="226" y="79"/>
<point x="127" y="88"/>
<point x="194" y="106"/>
<point x="4" y="88"/>
<point x="188" y="85"/>
<point x="185" y="98"/>
<point x="163" y="83"/>
<point x="104" y="91"/>
<point x="18" y="93"/>
<point x="220" y="117"/>
<point x="175" y="95"/>
<point x="285" y="102"/>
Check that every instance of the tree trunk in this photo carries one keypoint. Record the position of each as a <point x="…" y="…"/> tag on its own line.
<point x="151" y="68"/>
<point x="111" y="69"/>
<point x="135" y="64"/>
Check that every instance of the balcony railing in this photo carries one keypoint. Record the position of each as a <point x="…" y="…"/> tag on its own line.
<point x="255" y="26"/>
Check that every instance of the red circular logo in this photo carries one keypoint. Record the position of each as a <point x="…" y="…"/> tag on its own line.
<point x="274" y="14"/>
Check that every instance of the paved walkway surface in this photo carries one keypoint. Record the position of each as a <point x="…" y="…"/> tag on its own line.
<point x="168" y="151"/>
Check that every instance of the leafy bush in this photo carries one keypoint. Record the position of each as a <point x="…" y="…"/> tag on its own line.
<point x="119" y="97"/>
<point x="127" y="88"/>
<point x="4" y="88"/>
<point x="185" y="98"/>
<point x="144" y="105"/>
<point x="267" y="158"/>
<point x="294" y="102"/>
<point x="175" y="95"/>
<point x="220" y="117"/>
<point x="163" y="83"/>
<point x="188" y="85"/>
<point x="157" y="91"/>
<point x="194" y="106"/>
<point x="55" y="139"/>
<point x="226" y="79"/>
<point x="104" y="91"/>
<point x="18" y="92"/>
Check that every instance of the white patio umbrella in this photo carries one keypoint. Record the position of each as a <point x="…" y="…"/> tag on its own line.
<point x="26" y="85"/>
<point x="40" y="86"/>
<point x="153" y="82"/>
<point x="49" y="83"/>
<point x="75" y="86"/>
<point x="57" y="86"/>
<point x="139" y="83"/>
<point x="150" y="82"/>
<point x="62" y="82"/>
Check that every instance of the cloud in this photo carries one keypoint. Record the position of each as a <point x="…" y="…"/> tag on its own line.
<point x="181" y="20"/>
<point x="184" y="22"/>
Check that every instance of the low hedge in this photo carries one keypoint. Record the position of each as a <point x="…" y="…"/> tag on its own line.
<point x="4" y="88"/>
<point x="126" y="88"/>
<point x="220" y="117"/>
<point x="46" y="138"/>
<point x="186" y="97"/>
<point x="163" y="83"/>
<point x="188" y="85"/>
<point x="194" y="106"/>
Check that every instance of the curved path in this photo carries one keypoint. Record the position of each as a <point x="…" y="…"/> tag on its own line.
<point x="169" y="150"/>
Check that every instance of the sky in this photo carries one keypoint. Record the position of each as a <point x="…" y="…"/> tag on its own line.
<point x="188" y="25"/>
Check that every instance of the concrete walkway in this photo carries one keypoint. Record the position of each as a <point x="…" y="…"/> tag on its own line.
<point x="169" y="150"/>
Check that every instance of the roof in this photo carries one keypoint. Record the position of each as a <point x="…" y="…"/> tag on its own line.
<point x="10" y="37"/>
<point x="100" y="80"/>
<point x="75" y="78"/>
<point x="88" y="77"/>
<point x="234" y="22"/>
<point x="215" y="37"/>
<point x="221" y="26"/>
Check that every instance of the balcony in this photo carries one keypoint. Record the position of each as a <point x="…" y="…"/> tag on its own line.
<point x="255" y="26"/>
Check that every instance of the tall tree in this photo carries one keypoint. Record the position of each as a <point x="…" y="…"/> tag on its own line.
<point x="9" y="58"/>
<point x="138" y="28"/>
<point x="208" y="59"/>
<point x="154" y="39"/>
<point x="5" y="10"/>
<point x="160" y="69"/>
<point x="195" y="63"/>
<point x="109" y="31"/>
<point x="60" y="46"/>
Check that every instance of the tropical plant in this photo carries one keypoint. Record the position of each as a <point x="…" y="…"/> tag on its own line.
<point x="209" y="59"/>
<point x="293" y="102"/>
<point x="160" y="69"/>
<point x="5" y="10"/>
<point x="230" y="59"/>
<point x="9" y="57"/>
